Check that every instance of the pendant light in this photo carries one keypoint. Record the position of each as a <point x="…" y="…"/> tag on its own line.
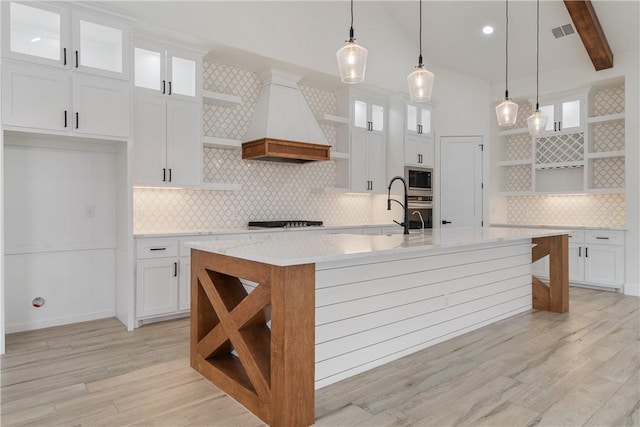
<point x="352" y="58"/>
<point x="420" y="81"/>
<point x="507" y="110"/>
<point x="537" y="122"/>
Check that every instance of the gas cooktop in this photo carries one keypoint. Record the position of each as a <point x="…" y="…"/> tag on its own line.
<point x="285" y="224"/>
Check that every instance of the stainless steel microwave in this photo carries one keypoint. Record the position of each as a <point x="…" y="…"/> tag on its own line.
<point x="419" y="180"/>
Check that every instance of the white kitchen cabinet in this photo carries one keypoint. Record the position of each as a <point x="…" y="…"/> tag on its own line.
<point x="46" y="98"/>
<point x="168" y="71"/>
<point x="156" y="287"/>
<point x="418" y="140"/>
<point x="48" y="34"/>
<point x="368" y="170"/>
<point x="596" y="257"/>
<point x="565" y="113"/>
<point x="167" y="149"/>
<point x="35" y="96"/>
<point x="368" y="113"/>
<point x="157" y="279"/>
<point x="418" y="150"/>
<point x="418" y="119"/>
<point x="100" y="106"/>
<point x="184" y="284"/>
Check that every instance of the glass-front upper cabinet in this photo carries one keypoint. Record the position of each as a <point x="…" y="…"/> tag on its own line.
<point x="418" y="119"/>
<point x="52" y="35"/>
<point x="564" y="114"/>
<point x="36" y="33"/>
<point x="368" y="113"/>
<point x="166" y="72"/>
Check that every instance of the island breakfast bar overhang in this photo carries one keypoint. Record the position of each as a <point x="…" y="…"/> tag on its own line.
<point x="323" y="308"/>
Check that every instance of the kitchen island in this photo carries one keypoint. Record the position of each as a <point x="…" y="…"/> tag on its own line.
<point x="274" y="318"/>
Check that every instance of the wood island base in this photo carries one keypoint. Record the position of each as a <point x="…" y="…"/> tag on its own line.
<point x="272" y="370"/>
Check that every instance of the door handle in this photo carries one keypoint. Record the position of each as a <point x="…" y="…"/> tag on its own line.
<point x="445" y="222"/>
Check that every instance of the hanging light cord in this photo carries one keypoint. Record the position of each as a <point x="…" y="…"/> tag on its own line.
<point x="351" y="29"/>
<point x="537" y="54"/>
<point x="506" y="49"/>
<point x="420" y="57"/>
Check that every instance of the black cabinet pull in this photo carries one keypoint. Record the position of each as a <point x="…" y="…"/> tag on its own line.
<point x="445" y="222"/>
<point x="169" y="89"/>
<point x="77" y="119"/>
<point x="555" y="124"/>
<point x="371" y="185"/>
<point x="169" y="174"/>
<point x="586" y="252"/>
<point x="175" y="269"/>
<point x="579" y="251"/>
<point x="164" y="83"/>
<point x="76" y="59"/>
<point x="559" y="126"/>
<point x="65" y="118"/>
<point x="157" y="249"/>
<point x="602" y="238"/>
<point x="64" y="57"/>
<point x="164" y="174"/>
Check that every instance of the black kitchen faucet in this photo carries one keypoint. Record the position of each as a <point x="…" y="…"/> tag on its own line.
<point x="404" y="224"/>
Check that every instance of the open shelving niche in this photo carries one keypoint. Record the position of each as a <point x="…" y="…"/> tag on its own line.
<point x="340" y="153"/>
<point x="223" y="100"/>
<point x="605" y="148"/>
<point x="586" y="160"/>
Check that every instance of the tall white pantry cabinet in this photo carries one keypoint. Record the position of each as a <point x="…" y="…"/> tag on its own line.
<point x="167" y="114"/>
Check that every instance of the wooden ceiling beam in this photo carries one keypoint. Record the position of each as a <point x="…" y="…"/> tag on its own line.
<point x="586" y="22"/>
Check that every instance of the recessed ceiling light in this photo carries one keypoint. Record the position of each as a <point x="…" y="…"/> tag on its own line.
<point x="487" y="29"/>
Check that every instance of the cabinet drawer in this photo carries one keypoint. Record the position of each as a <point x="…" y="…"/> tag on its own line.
<point x="156" y="248"/>
<point x="576" y="236"/>
<point x="604" y="237"/>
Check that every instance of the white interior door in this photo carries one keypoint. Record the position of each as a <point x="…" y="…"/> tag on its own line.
<point x="461" y="180"/>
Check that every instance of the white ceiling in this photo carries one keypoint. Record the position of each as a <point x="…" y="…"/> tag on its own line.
<point x="307" y="33"/>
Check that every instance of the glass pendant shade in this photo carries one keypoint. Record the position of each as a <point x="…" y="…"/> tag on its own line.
<point x="537" y="122"/>
<point x="352" y="62"/>
<point x="507" y="112"/>
<point x="420" y="84"/>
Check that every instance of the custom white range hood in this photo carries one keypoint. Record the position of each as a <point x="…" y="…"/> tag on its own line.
<point x="283" y="127"/>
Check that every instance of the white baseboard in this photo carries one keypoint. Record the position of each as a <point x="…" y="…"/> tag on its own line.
<point x="632" y="289"/>
<point x="40" y="324"/>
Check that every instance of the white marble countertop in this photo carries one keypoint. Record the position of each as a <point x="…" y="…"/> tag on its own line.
<point x="245" y="230"/>
<point x="293" y="249"/>
<point x="563" y="227"/>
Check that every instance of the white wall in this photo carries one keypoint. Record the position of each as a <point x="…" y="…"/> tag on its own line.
<point x="60" y="199"/>
<point x="626" y="65"/>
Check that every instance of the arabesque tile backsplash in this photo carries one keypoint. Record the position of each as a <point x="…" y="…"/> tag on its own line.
<point x="269" y="190"/>
<point x="584" y="210"/>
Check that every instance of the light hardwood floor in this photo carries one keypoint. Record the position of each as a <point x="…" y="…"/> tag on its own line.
<point x="537" y="368"/>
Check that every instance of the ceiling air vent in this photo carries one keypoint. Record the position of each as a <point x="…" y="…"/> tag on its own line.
<point x="562" y="31"/>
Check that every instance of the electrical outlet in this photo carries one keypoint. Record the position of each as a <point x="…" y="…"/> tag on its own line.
<point x="90" y="211"/>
